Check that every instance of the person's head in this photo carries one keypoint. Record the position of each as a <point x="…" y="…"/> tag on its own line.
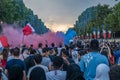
<point x="74" y="73"/>
<point x="102" y="72"/>
<point x="71" y="47"/>
<point x="65" y="53"/>
<point x="31" y="46"/>
<point x="5" y="53"/>
<point x="40" y="45"/>
<point x="11" y="51"/>
<point x="105" y="52"/>
<point x="115" y="72"/>
<point x="53" y="45"/>
<point x="26" y="51"/>
<point x="57" y="62"/>
<point x="32" y="51"/>
<point x="16" y="52"/>
<point x="60" y="45"/>
<point x="37" y="59"/>
<point x="46" y="45"/>
<point x="46" y="51"/>
<point x="79" y="44"/>
<point x="37" y="74"/>
<point x="80" y="54"/>
<point x="29" y="61"/>
<point x="94" y="45"/>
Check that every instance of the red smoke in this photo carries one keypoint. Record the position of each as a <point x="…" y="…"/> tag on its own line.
<point x="15" y="37"/>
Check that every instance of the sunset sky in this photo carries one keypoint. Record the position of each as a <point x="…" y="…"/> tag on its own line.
<point x="59" y="15"/>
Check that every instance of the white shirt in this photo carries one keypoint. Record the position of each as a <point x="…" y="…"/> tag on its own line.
<point x="46" y="61"/>
<point x="23" y="56"/>
<point x="58" y="75"/>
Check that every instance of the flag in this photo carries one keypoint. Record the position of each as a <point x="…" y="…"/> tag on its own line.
<point x="98" y="34"/>
<point x="87" y="36"/>
<point x="94" y="34"/>
<point x="28" y="29"/>
<point x="4" y="41"/>
<point x="90" y="35"/>
<point x="109" y="34"/>
<point x="1" y="46"/>
<point x="104" y="34"/>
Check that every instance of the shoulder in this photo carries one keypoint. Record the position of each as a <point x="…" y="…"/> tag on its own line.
<point x="51" y="73"/>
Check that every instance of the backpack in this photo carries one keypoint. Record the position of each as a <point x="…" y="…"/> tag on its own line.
<point x="15" y="72"/>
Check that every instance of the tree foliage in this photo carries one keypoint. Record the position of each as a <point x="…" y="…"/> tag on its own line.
<point x="112" y="21"/>
<point x="14" y="11"/>
<point x="92" y="18"/>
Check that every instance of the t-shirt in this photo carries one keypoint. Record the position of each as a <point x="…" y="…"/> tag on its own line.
<point x="56" y="75"/>
<point x="75" y="56"/>
<point x="39" y="51"/>
<point x="42" y="66"/>
<point x="23" y="56"/>
<point x="15" y="61"/>
<point x="9" y="58"/>
<point x="46" y="61"/>
<point x="89" y="62"/>
<point x="117" y="56"/>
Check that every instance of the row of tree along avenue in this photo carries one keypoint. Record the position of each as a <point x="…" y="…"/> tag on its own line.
<point x="99" y="18"/>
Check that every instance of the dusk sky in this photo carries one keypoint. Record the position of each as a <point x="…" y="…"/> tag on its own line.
<point x="59" y="15"/>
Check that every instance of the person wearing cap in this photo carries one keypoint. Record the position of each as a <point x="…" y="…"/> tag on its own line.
<point x="90" y="61"/>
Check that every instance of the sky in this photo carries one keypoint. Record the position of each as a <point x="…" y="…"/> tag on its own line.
<point x="59" y="15"/>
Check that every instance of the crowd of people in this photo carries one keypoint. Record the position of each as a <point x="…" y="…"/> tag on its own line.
<point x="80" y="60"/>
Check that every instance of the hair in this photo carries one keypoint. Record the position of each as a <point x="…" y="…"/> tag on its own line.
<point x="31" y="45"/>
<point x="57" y="62"/>
<point x="16" y="51"/>
<point x="29" y="61"/>
<point x="40" y="45"/>
<point x="61" y="51"/>
<point x="105" y="52"/>
<point x="46" y="45"/>
<point x="56" y="50"/>
<point x="71" y="46"/>
<point x="5" y="53"/>
<point x="115" y="72"/>
<point x="34" y="76"/>
<point x="65" y="52"/>
<point x="94" y="44"/>
<point x="15" y="72"/>
<point x="11" y="51"/>
<point x="38" y="58"/>
<point x="74" y="73"/>
<point x="32" y="51"/>
<point x="81" y="52"/>
<point x="60" y="45"/>
<point x="44" y="50"/>
<point x="53" y="45"/>
<point x="66" y="47"/>
<point x="79" y="44"/>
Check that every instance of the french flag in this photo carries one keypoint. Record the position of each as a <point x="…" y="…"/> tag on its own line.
<point x="104" y="34"/>
<point x="94" y="34"/>
<point x="98" y="34"/>
<point x="28" y="29"/>
<point x="1" y="46"/>
<point x="109" y="34"/>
